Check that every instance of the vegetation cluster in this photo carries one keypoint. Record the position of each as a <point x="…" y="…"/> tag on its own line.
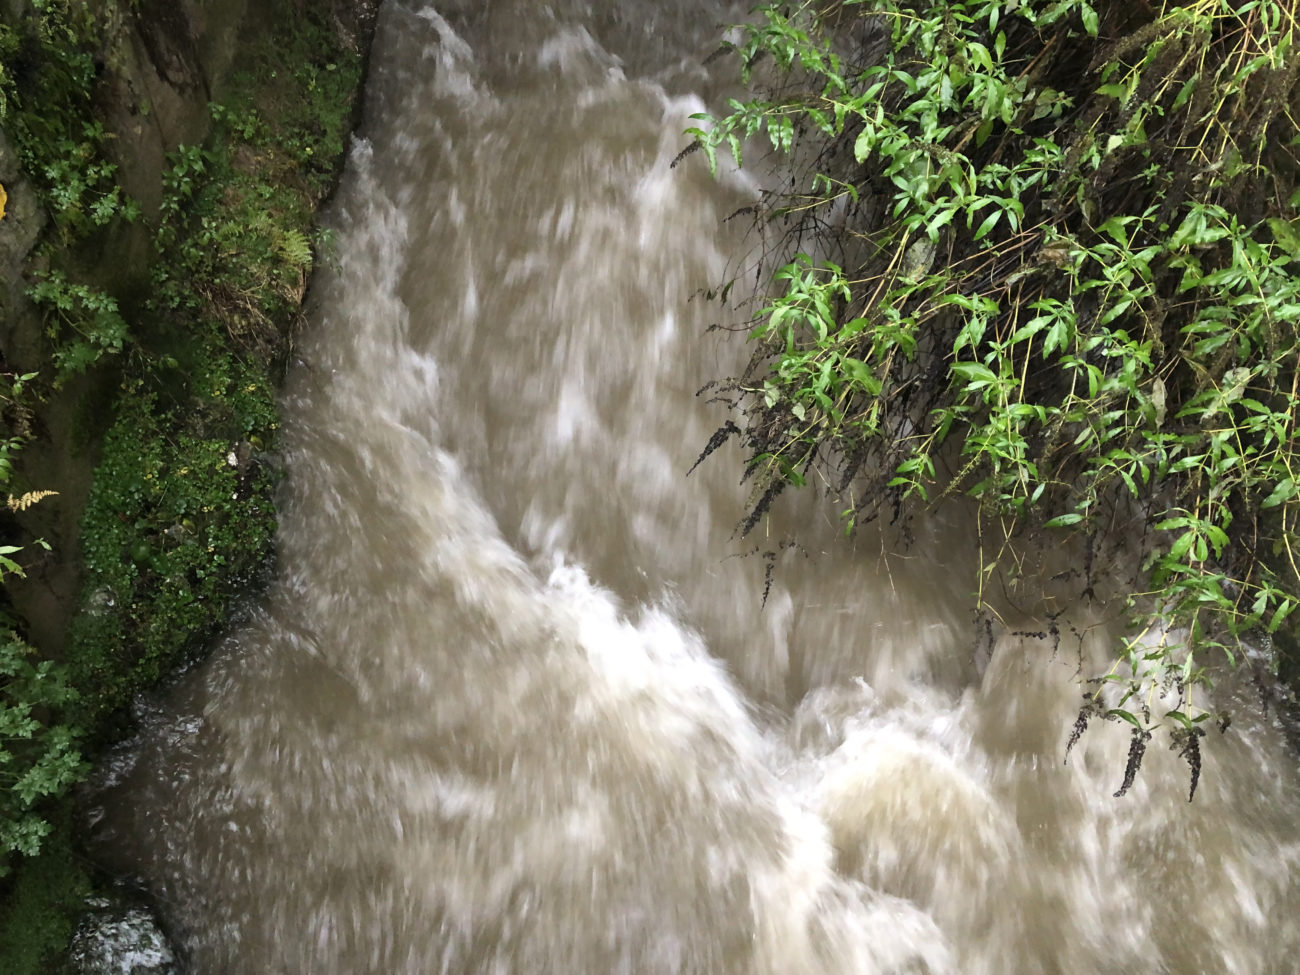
<point x="1044" y="253"/>
<point x="171" y="372"/>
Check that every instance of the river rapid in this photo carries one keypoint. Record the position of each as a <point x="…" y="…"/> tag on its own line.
<point x="517" y="702"/>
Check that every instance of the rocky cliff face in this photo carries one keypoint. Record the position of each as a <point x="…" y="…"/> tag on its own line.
<point x="208" y="266"/>
<point x="165" y="60"/>
<point x="159" y="65"/>
<point x="20" y="228"/>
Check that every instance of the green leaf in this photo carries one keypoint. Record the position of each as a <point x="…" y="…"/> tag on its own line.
<point x="1285" y="491"/>
<point x="1182" y="545"/>
<point x="1064" y="521"/>
<point x="860" y="373"/>
<point x="988" y="224"/>
<point x="1115" y="229"/>
<point x="1284" y="232"/>
<point x="864" y="143"/>
<point x="1283" y="611"/>
<point x="1089" y="18"/>
<point x="1125" y="716"/>
<point x="974" y="372"/>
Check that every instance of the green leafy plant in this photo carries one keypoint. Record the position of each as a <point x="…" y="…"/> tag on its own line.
<point x="39" y="749"/>
<point x="46" y="108"/>
<point x="39" y="755"/>
<point x="83" y="323"/>
<point x="1072" y="234"/>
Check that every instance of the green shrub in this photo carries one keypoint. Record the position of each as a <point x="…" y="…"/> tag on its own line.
<point x="39" y="754"/>
<point x="83" y="324"/>
<point x="181" y="518"/>
<point x="1072" y="233"/>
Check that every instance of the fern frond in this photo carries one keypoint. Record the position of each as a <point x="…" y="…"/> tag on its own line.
<point x="296" y="248"/>
<point x="28" y="499"/>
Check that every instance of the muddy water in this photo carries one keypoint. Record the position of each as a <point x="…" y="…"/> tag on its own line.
<point x="516" y="704"/>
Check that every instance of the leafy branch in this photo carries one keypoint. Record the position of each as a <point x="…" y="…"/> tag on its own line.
<point x="1071" y="290"/>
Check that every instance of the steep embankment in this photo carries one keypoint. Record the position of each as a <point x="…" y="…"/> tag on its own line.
<point x="161" y="163"/>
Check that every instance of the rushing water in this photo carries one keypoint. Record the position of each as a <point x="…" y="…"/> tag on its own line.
<point x="515" y="703"/>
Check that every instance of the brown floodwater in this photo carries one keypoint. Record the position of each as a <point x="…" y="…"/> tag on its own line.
<point x="516" y="702"/>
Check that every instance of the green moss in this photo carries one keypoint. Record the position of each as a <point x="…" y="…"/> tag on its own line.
<point x="179" y="522"/>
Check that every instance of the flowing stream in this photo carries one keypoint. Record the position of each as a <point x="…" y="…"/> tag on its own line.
<point x="516" y="702"/>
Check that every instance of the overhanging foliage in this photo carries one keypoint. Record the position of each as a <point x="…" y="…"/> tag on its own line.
<point x="1045" y="254"/>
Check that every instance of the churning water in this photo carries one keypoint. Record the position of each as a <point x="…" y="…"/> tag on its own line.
<point x="516" y="704"/>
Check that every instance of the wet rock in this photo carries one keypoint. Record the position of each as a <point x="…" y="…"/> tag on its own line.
<point x="101" y="601"/>
<point x="20" y="226"/>
<point x="121" y="939"/>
